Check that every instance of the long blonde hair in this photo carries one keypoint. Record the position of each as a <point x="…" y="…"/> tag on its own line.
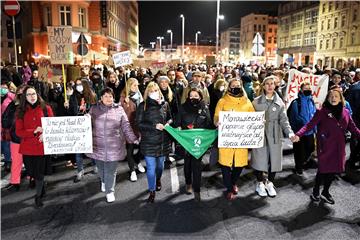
<point x="150" y="87"/>
<point x="127" y="89"/>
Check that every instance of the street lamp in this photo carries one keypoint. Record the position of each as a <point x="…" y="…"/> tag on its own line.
<point x="152" y="44"/>
<point x="171" y="38"/>
<point x="160" y="39"/>
<point x="218" y="17"/>
<point x="196" y="38"/>
<point x="183" y="36"/>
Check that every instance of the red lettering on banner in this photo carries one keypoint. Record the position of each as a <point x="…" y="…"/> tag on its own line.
<point x="291" y="88"/>
<point x="316" y="81"/>
<point x="316" y="93"/>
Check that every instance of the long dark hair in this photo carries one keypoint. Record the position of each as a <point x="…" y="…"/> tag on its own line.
<point x="24" y="103"/>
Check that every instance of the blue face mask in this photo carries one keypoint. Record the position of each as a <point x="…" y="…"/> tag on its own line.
<point x="3" y="91"/>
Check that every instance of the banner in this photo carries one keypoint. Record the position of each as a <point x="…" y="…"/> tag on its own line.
<point x="319" y="86"/>
<point x="122" y="59"/>
<point x="241" y="129"/>
<point x="62" y="135"/>
<point x="195" y="141"/>
<point x="60" y="45"/>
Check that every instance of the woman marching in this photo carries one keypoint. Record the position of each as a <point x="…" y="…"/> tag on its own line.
<point x="332" y="122"/>
<point x="151" y="117"/>
<point x="268" y="159"/>
<point x="194" y="113"/>
<point x="111" y="131"/>
<point x="232" y="160"/>
<point x="28" y="128"/>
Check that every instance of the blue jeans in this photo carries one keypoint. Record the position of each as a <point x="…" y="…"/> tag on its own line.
<point x="5" y="149"/>
<point x="154" y="169"/>
<point x="79" y="161"/>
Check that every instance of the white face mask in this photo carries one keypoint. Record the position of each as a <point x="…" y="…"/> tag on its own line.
<point x="69" y="92"/>
<point x="222" y="88"/>
<point x="154" y="95"/>
<point x="79" y="88"/>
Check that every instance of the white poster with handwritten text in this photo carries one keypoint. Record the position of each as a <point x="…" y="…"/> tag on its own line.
<point x="241" y="129"/>
<point x="62" y="135"/>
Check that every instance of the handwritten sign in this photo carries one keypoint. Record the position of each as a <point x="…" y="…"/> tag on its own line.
<point x="319" y="86"/>
<point x="63" y="135"/>
<point x="241" y="129"/>
<point x="60" y="45"/>
<point x="122" y="59"/>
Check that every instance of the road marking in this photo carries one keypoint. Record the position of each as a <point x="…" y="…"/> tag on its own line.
<point x="174" y="179"/>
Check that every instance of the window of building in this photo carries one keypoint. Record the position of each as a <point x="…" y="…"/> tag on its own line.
<point x="293" y="40"/>
<point x="270" y="30"/>
<point x="255" y="18"/>
<point x="336" y="22"/>
<point x="328" y="24"/>
<point x="344" y="4"/>
<point x="65" y="15"/>
<point x="341" y="44"/>
<point x="322" y="25"/>
<point x="321" y="44"/>
<point x="334" y="43"/>
<point x="308" y="18"/>
<point x="82" y="17"/>
<point x="47" y="16"/>
<point x="269" y="40"/>
<point x="286" y="41"/>
<point x="343" y="20"/>
<point x="313" y="38"/>
<point x="353" y="38"/>
<point x="264" y="28"/>
<point x="254" y="27"/>
<point x="336" y="5"/>
<point x="275" y="40"/>
<point x="315" y="15"/>
<point x="306" y="39"/>
<point x="330" y="6"/>
<point x="10" y="45"/>
<point x="327" y="44"/>
<point x="324" y="7"/>
<point x="355" y="15"/>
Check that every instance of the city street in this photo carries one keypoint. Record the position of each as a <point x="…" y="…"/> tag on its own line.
<point x="79" y="210"/>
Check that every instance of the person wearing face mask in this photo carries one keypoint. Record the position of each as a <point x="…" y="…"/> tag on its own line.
<point x="97" y="83"/>
<point x="28" y="128"/>
<point x="332" y="121"/>
<point x="300" y="111"/>
<point x="113" y="82"/>
<point x="130" y="99"/>
<point x="267" y="160"/>
<point x="232" y="160"/>
<point x="151" y="118"/>
<point x="216" y="94"/>
<point x="196" y="83"/>
<point x="193" y="114"/>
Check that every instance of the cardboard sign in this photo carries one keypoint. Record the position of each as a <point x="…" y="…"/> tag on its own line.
<point x="122" y="59"/>
<point x="62" y="135"/>
<point x="60" y="45"/>
<point x="319" y="86"/>
<point x="241" y="129"/>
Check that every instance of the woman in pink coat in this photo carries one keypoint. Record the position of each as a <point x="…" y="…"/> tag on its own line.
<point x="332" y="122"/>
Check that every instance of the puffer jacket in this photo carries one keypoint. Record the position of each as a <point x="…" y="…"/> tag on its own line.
<point x="154" y="143"/>
<point x="111" y="130"/>
<point x="190" y="117"/>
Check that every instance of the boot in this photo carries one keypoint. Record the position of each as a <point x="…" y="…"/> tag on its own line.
<point x="197" y="196"/>
<point x="188" y="189"/>
<point x="151" y="198"/>
<point x="38" y="202"/>
<point x="158" y="184"/>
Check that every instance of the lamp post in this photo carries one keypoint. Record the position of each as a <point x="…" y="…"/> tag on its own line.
<point x="218" y="17"/>
<point x="183" y="36"/>
<point x="196" y="38"/>
<point x="160" y="40"/>
<point x="171" y="38"/>
<point x="152" y="44"/>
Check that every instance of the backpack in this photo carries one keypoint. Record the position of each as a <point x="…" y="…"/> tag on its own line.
<point x="288" y="111"/>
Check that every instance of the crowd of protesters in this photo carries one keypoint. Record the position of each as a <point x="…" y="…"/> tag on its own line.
<point x="130" y="107"/>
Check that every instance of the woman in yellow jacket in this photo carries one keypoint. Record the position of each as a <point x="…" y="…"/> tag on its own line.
<point x="232" y="160"/>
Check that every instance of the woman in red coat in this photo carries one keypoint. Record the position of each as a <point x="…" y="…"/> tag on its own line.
<point x="28" y="127"/>
<point x="332" y="121"/>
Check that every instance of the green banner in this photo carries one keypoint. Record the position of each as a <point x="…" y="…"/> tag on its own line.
<point x="195" y="141"/>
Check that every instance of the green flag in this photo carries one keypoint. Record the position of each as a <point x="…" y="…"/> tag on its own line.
<point x="195" y="141"/>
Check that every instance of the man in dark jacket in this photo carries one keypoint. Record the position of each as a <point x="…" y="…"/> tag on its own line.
<point x="41" y="87"/>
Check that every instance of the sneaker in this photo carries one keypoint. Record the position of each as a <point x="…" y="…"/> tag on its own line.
<point x="172" y="159"/>
<point x="327" y="198"/>
<point x="95" y="170"/>
<point x="315" y="198"/>
<point x="103" y="187"/>
<point x="141" y="168"/>
<point x="133" y="176"/>
<point x="151" y="198"/>
<point x="235" y="189"/>
<point x="270" y="189"/>
<point x="110" y="197"/>
<point x="260" y="189"/>
<point x="79" y="176"/>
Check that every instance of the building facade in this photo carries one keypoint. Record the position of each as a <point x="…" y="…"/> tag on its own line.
<point x="338" y="41"/>
<point x="230" y="44"/>
<point x="267" y="27"/>
<point x="298" y="27"/>
<point x="108" y="27"/>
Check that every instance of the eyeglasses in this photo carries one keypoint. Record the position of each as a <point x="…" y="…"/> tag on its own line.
<point x="30" y="94"/>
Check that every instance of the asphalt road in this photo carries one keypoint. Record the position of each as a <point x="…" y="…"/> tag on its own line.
<point x="80" y="211"/>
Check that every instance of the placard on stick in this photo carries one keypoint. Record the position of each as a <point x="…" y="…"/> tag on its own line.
<point x="241" y="129"/>
<point x="60" y="45"/>
<point x="62" y="135"/>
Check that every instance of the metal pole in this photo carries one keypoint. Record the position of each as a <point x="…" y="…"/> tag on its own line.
<point x="183" y="37"/>
<point x="217" y="28"/>
<point x="196" y="40"/>
<point x="171" y="40"/>
<point x="15" y="45"/>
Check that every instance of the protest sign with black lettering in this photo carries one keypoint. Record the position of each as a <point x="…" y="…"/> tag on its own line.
<point x="319" y="86"/>
<point x="241" y="129"/>
<point x="60" y="45"/>
<point x="62" y="135"/>
<point x="122" y="58"/>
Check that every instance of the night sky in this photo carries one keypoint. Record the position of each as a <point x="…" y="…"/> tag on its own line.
<point x="155" y="18"/>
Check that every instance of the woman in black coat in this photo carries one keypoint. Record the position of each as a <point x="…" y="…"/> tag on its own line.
<point x="152" y="116"/>
<point x="194" y="113"/>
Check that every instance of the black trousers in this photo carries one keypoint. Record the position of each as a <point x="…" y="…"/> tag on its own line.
<point x="230" y="176"/>
<point x="192" y="171"/>
<point x="130" y="156"/>
<point x="323" y="179"/>
<point x="302" y="151"/>
<point x="36" y="168"/>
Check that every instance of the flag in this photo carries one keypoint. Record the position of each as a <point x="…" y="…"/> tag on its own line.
<point x="195" y="141"/>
